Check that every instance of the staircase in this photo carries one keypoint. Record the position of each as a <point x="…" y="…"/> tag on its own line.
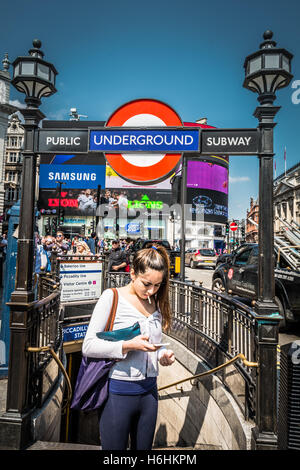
<point x="287" y="242"/>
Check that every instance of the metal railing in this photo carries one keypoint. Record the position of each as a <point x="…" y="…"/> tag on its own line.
<point x="45" y="333"/>
<point x="215" y="327"/>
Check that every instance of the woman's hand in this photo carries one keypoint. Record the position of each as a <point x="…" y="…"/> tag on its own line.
<point x="139" y="343"/>
<point x="167" y="358"/>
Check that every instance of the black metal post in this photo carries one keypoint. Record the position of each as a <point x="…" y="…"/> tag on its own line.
<point x="183" y="205"/>
<point x="267" y="323"/>
<point x="59" y="198"/>
<point x="97" y="208"/>
<point x="15" y="423"/>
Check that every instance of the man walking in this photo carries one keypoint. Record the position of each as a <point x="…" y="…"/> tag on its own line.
<point x="117" y="260"/>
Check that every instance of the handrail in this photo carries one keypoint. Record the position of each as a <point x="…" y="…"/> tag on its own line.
<point x="211" y="371"/>
<point x="60" y="365"/>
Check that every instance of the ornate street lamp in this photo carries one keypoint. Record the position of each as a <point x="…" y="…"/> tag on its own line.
<point x="36" y="78"/>
<point x="266" y="71"/>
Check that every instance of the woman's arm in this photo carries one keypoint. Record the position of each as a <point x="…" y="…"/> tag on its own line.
<point x="94" y="346"/>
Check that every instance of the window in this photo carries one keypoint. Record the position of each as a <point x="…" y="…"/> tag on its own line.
<point x="13" y="141"/>
<point x="11" y="194"/>
<point x="11" y="176"/>
<point x="253" y="259"/>
<point x="12" y="157"/>
<point x="242" y="259"/>
<point x="207" y="252"/>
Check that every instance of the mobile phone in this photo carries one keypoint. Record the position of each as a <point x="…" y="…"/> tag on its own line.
<point x="159" y="345"/>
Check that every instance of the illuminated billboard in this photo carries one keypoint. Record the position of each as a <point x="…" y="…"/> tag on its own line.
<point x="207" y="191"/>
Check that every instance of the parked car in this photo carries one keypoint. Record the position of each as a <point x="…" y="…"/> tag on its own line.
<point x="239" y="276"/>
<point x="174" y="255"/>
<point x="203" y="257"/>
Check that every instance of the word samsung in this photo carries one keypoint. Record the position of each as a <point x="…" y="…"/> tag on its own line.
<point x="144" y="140"/>
<point x="79" y="176"/>
<point x="73" y="176"/>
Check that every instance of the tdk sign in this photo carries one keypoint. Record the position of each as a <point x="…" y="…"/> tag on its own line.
<point x="171" y="140"/>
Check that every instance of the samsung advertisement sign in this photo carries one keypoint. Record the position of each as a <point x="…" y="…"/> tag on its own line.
<point x="74" y="176"/>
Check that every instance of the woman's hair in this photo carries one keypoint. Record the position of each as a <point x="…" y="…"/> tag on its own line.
<point x="157" y="258"/>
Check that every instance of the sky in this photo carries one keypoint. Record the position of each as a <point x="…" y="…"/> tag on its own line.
<point x="188" y="54"/>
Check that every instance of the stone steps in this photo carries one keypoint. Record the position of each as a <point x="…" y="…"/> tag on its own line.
<point x="42" y="445"/>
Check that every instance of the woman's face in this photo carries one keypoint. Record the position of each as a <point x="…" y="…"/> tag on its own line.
<point x="148" y="283"/>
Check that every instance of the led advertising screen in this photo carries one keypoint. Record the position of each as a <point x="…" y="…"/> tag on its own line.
<point x="207" y="191"/>
<point x="206" y="175"/>
<point x="79" y="185"/>
<point x="112" y="180"/>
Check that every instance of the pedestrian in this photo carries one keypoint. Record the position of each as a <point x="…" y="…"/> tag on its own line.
<point x="91" y="242"/>
<point x="117" y="260"/>
<point x="3" y="245"/>
<point x="61" y="245"/>
<point x="131" y="406"/>
<point x="82" y="248"/>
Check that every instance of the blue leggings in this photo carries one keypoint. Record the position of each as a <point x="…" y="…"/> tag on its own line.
<point x="128" y="415"/>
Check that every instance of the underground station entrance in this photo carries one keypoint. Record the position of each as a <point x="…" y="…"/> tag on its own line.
<point x="77" y="426"/>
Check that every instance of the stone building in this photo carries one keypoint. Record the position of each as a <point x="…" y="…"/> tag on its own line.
<point x="251" y="233"/>
<point x="13" y="162"/>
<point x="287" y="196"/>
<point x="5" y="111"/>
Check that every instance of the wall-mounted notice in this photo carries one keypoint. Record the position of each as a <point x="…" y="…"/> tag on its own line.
<point x="80" y="280"/>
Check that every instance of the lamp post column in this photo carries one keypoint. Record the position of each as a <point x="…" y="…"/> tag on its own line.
<point x="15" y="422"/>
<point x="183" y="217"/>
<point x="24" y="270"/>
<point x="265" y="432"/>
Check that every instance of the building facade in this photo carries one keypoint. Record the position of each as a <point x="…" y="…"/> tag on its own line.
<point x="252" y="222"/>
<point x="5" y="110"/>
<point x="287" y="197"/>
<point x="13" y="163"/>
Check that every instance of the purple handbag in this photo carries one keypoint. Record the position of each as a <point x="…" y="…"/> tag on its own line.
<point x="91" y="389"/>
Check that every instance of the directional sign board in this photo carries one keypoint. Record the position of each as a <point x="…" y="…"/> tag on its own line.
<point x="168" y="140"/>
<point x="229" y="141"/>
<point x="233" y="226"/>
<point x="63" y="141"/>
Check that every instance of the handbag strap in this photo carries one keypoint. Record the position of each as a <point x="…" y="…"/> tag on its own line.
<point x="112" y="315"/>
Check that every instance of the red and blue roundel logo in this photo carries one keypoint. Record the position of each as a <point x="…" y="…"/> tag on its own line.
<point x="144" y="168"/>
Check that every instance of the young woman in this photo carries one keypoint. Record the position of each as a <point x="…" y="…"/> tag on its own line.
<point x="131" y="408"/>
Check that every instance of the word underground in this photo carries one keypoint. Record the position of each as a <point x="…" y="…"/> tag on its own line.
<point x="144" y="140"/>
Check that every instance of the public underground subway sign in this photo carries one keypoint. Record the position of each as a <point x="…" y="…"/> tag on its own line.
<point x="143" y="140"/>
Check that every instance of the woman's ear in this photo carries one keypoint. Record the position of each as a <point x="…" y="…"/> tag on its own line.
<point x="132" y="274"/>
